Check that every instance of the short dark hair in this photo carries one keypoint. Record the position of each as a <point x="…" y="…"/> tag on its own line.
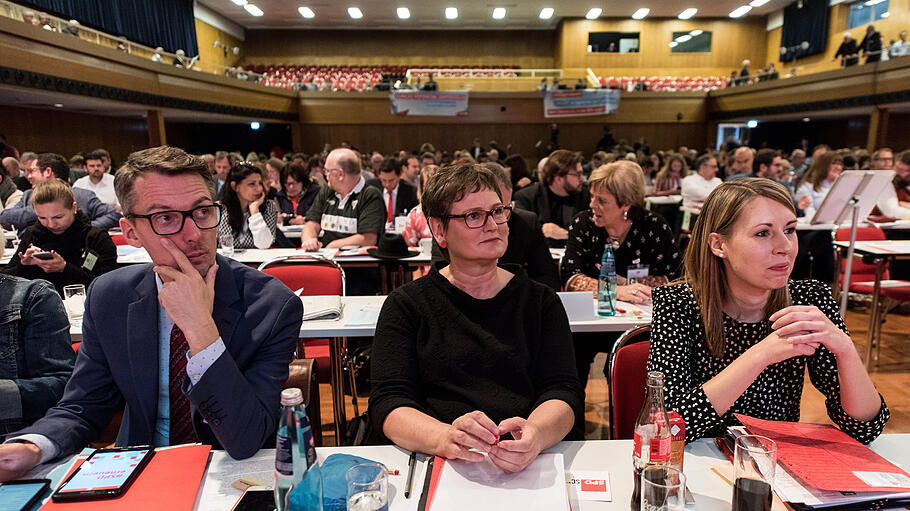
<point x="500" y="172"/>
<point x="298" y="172"/>
<point x="94" y="155"/>
<point x="452" y="183"/>
<point x="166" y="160"/>
<point x="903" y="157"/>
<point x="559" y="163"/>
<point x="429" y="155"/>
<point x="392" y="164"/>
<point x="56" y="163"/>
<point x="764" y="157"/>
<point x="703" y="159"/>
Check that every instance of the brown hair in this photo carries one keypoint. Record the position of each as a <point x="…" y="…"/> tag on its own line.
<point x="664" y="172"/>
<point x="705" y="272"/>
<point x="818" y="172"/>
<point x="560" y="163"/>
<point x="452" y="183"/>
<point x="166" y="160"/>
<point x="53" y="190"/>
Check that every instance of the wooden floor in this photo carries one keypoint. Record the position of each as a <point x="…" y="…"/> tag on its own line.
<point x="892" y="378"/>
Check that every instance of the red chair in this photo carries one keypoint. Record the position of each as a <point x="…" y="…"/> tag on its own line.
<point x="308" y="276"/>
<point x="118" y="239"/>
<point x="862" y="281"/>
<point x="628" y="380"/>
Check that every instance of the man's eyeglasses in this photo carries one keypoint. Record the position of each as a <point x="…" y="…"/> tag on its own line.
<point x="477" y="218"/>
<point x="166" y="223"/>
<point x="576" y="175"/>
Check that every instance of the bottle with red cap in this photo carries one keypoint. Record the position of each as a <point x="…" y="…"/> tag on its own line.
<point x="652" y="434"/>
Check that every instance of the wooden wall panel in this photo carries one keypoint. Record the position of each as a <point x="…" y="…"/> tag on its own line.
<point x="67" y="133"/>
<point x="732" y="41"/>
<point x="210" y="58"/>
<point x="527" y="48"/>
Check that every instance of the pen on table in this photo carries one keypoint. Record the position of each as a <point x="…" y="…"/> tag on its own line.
<point x="412" y="460"/>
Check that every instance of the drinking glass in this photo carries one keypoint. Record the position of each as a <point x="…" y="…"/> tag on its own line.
<point x="754" y="463"/>
<point x="227" y="244"/>
<point x="74" y="302"/>
<point x="368" y="487"/>
<point x="662" y="489"/>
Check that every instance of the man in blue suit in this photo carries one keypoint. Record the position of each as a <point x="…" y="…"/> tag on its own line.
<point x="196" y="347"/>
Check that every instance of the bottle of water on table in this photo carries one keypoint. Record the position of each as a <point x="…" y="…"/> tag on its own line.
<point x="298" y="480"/>
<point x="606" y="283"/>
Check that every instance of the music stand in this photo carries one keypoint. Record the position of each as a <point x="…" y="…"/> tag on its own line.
<point x="854" y="192"/>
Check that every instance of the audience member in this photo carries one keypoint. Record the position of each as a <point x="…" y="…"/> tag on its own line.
<point x="425" y="401"/>
<point x="37" y="356"/>
<point x="106" y="160"/>
<point x="696" y="187"/>
<point x="10" y="194"/>
<point x="251" y="219"/>
<point x="208" y="315"/>
<point x="50" y="166"/>
<point x="670" y="177"/>
<point x="297" y="194"/>
<point x="399" y="196"/>
<point x="639" y="239"/>
<point x="346" y="212"/>
<point x="222" y="169"/>
<point x="797" y="163"/>
<point x="72" y="28"/>
<point x="316" y="169"/>
<point x="848" y="51"/>
<point x="901" y="47"/>
<point x="818" y="180"/>
<point x="736" y="335"/>
<point x="416" y="227"/>
<point x="75" y="251"/>
<point x="274" y="168"/>
<point x="6" y="149"/>
<point x="517" y="169"/>
<point x="28" y="160"/>
<point x="871" y="45"/>
<point x="742" y="163"/>
<point x="98" y="181"/>
<point x="558" y="196"/>
<point x="427" y="158"/>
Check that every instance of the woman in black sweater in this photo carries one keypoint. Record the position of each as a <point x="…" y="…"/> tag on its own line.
<point x="63" y="247"/>
<point x="474" y="351"/>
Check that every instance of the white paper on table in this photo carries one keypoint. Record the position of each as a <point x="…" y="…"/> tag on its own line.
<point x="363" y="315"/>
<point x="479" y="486"/>
<point x="591" y="485"/>
<point x="217" y="492"/>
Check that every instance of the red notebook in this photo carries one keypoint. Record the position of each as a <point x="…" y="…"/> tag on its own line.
<point x="827" y="458"/>
<point x="170" y="481"/>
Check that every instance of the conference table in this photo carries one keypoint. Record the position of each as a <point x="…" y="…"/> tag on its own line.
<point x="360" y="313"/>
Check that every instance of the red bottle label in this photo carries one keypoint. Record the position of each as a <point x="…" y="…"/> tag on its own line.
<point x="660" y="450"/>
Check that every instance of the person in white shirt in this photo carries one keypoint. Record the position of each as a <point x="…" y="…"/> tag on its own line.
<point x="818" y="180"/>
<point x="98" y="180"/>
<point x="696" y="187"/>
<point x="901" y="47"/>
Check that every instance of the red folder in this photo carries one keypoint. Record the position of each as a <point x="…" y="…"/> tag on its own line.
<point x="826" y="457"/>
<point x="170" y="481"/>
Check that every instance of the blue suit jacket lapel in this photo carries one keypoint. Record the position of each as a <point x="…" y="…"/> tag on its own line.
<point x="226" y="316"/>
<point x="142" y="351"/>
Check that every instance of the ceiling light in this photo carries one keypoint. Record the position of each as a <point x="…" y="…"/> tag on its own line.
<point x="58" y="105"/>
<point x="594" y="13"/>
<point x="673" y="44"/>
<point x="696" y="33"/>
<point x="641" y="13"/>
<point x="759" y="3"/>
<point x="403" y="13"/>
<point x="751" y="124"/>
<point x="546" y="13"/>
<point x="255" y="125"/>
<point x="499" y="13"/>
<point x="740" y="11"/>
<point x="806" y="119"/>
<point x="355" y="12"/>
<point x="239" y="2"/>
<point x="688" y="13"/>
<point x="885" y="14"/>
<point x="306" y="12"/>
<point x="451" y="13"/>
<point x="252" y="9"/>
<point x="683" y="38"/>
<point x="870" y="3"/>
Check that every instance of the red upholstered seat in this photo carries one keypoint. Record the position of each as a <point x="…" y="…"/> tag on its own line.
<point x="118" y="239"/>
<point x="628" y="380"/>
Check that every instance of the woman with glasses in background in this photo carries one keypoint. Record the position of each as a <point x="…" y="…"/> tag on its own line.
<point x="473" y="351"/>
<point x="251" y="219"/>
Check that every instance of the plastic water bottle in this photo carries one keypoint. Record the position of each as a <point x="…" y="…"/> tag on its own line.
<point x="298" y="480"/>
<point x="606" y="283"/>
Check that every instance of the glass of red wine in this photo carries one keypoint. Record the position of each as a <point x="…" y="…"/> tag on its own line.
<point x="663" y="488"/>
<point x="754" y="463"/>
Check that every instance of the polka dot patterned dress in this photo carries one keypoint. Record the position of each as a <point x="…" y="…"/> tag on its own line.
<point x="679" y="350"/>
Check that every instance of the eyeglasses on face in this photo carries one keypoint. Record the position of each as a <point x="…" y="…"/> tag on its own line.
<point x="166" y="223"/>
<point x="477" y="218"/>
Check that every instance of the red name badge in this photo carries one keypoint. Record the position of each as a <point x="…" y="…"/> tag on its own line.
<point x="599" y="485"/>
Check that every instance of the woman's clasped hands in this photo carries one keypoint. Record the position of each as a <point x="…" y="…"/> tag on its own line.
<point x="473" y="434"/>
<point x="800" y="330"/>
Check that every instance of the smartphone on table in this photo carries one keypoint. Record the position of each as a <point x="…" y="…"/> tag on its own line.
<point x="22" y="494"/>
<point x="105" y="474"/>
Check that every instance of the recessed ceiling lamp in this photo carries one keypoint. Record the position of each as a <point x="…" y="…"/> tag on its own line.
<point x="594" y="13"/>
<point x="673" y="44"/>
<point x="870" y="3"/>
<point x="696" y="33"/>
<point x="451" y="13"/>
<point x="499" y="13"/>
<point x="239" y="2"/>
<point x="306" y="12"/>
<point x="546" y="13"/>
<point x="355" y="13"/>
<point x="683" y="38"/>
<point x="740" y="11"/>
<point x="253" y="10"/>
<point x="641" y="13"/>
<point x="758" y="3"/>
<point x="688" y="13"/>
<point x="403" y="13"/>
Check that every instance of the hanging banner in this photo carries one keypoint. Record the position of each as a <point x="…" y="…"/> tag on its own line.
<point x="575" y="103"/>
<point x="443" y="104"/>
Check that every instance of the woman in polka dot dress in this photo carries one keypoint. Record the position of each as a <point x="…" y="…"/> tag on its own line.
<point x="736" y="335"/>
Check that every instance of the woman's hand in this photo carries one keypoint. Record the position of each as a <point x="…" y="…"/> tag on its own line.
<point x="27" y="258"/>
<point x="516" y="455"/>
<point x="472" y="430"/>
<point x="805" y="324"/>
<point x="525" y="181"/>
<point x="54" y="265"/>
<point x="804" y="202"/>
<point x="256" y="204"/>
<point x="774" y="348"/>
<point x="634" y="293"/>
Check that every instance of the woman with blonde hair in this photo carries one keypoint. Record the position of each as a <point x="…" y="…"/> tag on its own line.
<point x="669" y="179"/>
<point x="817" y="181"/>
<point x="736" y="334"/>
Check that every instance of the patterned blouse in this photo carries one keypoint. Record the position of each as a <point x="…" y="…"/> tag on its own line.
<point x="679" y="350"/>
<point x="415" y="227"/>
<point x="649" y="242"/>
<point x="260" y="227"/>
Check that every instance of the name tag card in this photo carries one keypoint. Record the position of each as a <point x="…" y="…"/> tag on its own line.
<point x="338" y="223"/>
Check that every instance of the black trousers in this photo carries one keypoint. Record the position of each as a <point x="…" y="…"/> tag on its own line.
<point x="587" y="346"/>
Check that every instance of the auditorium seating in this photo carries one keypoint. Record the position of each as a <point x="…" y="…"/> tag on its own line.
<point x="354" y="78"/>
<point x="665" y="83"/>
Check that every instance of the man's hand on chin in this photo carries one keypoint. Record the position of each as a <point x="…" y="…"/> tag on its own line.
<point x="188" y="298"/>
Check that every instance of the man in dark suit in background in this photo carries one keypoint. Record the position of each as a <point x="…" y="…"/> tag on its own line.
<point x="399" y="196"/>
<point x="197" y="346"/>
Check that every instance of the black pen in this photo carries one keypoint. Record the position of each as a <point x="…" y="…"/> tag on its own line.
<point x="411" y="462"/>
<point x="428" y="476"/>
